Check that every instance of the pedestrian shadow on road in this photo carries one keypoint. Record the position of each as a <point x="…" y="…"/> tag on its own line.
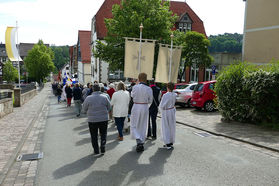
<point x="75" y="167"/>
<point x="82" y="126"/>
<point x="128" y="170"/>
<point x="84" y="132"/>
<point x="60" y="115"/>
<point x="83" y="141"/>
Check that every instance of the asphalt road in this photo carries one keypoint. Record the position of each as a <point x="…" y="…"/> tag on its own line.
<point x="68" y="158"/>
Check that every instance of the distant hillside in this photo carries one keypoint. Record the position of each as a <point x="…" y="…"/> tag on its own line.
<point x="227" y="42"/>
<point x="61" y="56"/>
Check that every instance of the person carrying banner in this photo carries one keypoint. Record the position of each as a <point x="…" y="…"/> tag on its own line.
<point x="142" y="96"/>
<point x="168" y="117"/>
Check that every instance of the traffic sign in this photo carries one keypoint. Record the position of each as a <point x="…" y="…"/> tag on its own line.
<point x="213" y="68"/>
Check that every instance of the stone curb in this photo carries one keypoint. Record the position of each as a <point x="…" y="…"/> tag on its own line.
<point x="227" y="136"/>
<point x="9" y="164"/>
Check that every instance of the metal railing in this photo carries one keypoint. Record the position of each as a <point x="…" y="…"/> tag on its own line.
<point x="4" y="95"/>
<point x="27" y="87"/>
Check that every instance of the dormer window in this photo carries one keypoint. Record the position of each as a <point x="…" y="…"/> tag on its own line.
<point x="185" y="23"/>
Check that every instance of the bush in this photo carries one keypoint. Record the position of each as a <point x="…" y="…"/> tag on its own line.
<point x="264" y="96"/>
<point x="248" y="93"/>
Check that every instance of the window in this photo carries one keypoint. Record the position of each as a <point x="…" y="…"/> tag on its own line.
<point x="199" y="87"/>
<point x="207" y="75"/>
<point x="189" y="28"/>
<point x="192" y="87"/>
<point x="183" y="27"/>
<point x="181" y="86"/>
<point x="185" y="23"/>
<point x="194" y="73"/>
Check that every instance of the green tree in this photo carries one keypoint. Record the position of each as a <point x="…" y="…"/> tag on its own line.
<point x="61" y="56"/>
<point x="39" y="61"/>
<point x="157" y="20"/>
<point x="227" y="42"/>
<point x="10" y="73"/>
<point x="195" y="51"/>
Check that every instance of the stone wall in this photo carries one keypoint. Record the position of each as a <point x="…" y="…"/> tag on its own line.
<point x="6" y="106"/>
<point x="21" y="99"/>
<point x="27" y="96"/>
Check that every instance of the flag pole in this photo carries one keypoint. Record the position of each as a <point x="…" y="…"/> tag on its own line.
<point x="171" y="56"/>
<point x="139" y="60"/>
<point x="18" y="68"/>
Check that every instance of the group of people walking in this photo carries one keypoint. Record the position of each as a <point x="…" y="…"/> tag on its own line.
<point x="143" y="96"/>
<point x="139" y="104"/>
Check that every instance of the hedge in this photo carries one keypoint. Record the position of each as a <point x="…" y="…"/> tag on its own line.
<point x="249" y="93"/>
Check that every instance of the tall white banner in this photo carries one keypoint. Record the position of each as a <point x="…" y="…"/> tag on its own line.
<point x="133" y="66"/>
<point x="164" y="68"/>
<point x="11" y="48"/>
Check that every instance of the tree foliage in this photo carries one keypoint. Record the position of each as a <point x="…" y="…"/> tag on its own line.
<point x="61" y="56"/>
<point x="10" y="73"/>
<point x="195" y="50"/>
<point x="227" y="42"/>
<point x="39" y="61"/>
<point x="157" y="20"/>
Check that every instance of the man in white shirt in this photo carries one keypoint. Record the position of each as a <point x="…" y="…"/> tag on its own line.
<point x="120" y="102"/>
<point x="142" y="96"/>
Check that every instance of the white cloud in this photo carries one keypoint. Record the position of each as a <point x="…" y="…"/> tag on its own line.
<point x="220" y="16"/>
<point x="58" y="21"/>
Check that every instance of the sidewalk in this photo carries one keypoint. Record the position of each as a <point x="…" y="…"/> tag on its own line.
<point x="211" y="122"/>
<point x="15" y="127"/>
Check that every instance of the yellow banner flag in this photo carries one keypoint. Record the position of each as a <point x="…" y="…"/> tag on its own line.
<point x="11" y="48"/>
<point x="132" y="64"/>
<point x="165" y="71"/>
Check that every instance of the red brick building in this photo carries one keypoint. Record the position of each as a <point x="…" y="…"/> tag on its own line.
<point x="187" y="20"/>
<point x="84" y="56"/>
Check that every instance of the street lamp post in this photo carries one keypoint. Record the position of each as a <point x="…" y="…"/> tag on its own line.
<point x="18" y="56"/>
<point x="139" y="59"/>
<point x="171" y="57"/>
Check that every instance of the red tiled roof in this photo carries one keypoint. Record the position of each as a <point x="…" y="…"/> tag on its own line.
<point x="84" y="38"/>
<point x="104" y="12"/>
<point x="179" y="8"/>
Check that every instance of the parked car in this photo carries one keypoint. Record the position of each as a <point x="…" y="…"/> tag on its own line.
<point x="176" y="86"/>
<point x="184" y="94"/>
<point x="203" y="96"/>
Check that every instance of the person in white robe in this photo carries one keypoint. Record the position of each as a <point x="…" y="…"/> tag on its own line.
<point x="63" y="96"/>
<point x="142" y="96"/>
<point x="168" y="117"/>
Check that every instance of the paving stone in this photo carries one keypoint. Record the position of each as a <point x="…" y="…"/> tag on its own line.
<point x="211" y="121"/>
<point x="12" y="129"/>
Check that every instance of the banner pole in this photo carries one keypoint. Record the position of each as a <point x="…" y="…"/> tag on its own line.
<point x="139" y="60"/>
<point x="18" y="68"/>
<point x="171" y="57"/>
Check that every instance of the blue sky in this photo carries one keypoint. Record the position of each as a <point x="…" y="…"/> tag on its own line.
<point x="58" y="21"/>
